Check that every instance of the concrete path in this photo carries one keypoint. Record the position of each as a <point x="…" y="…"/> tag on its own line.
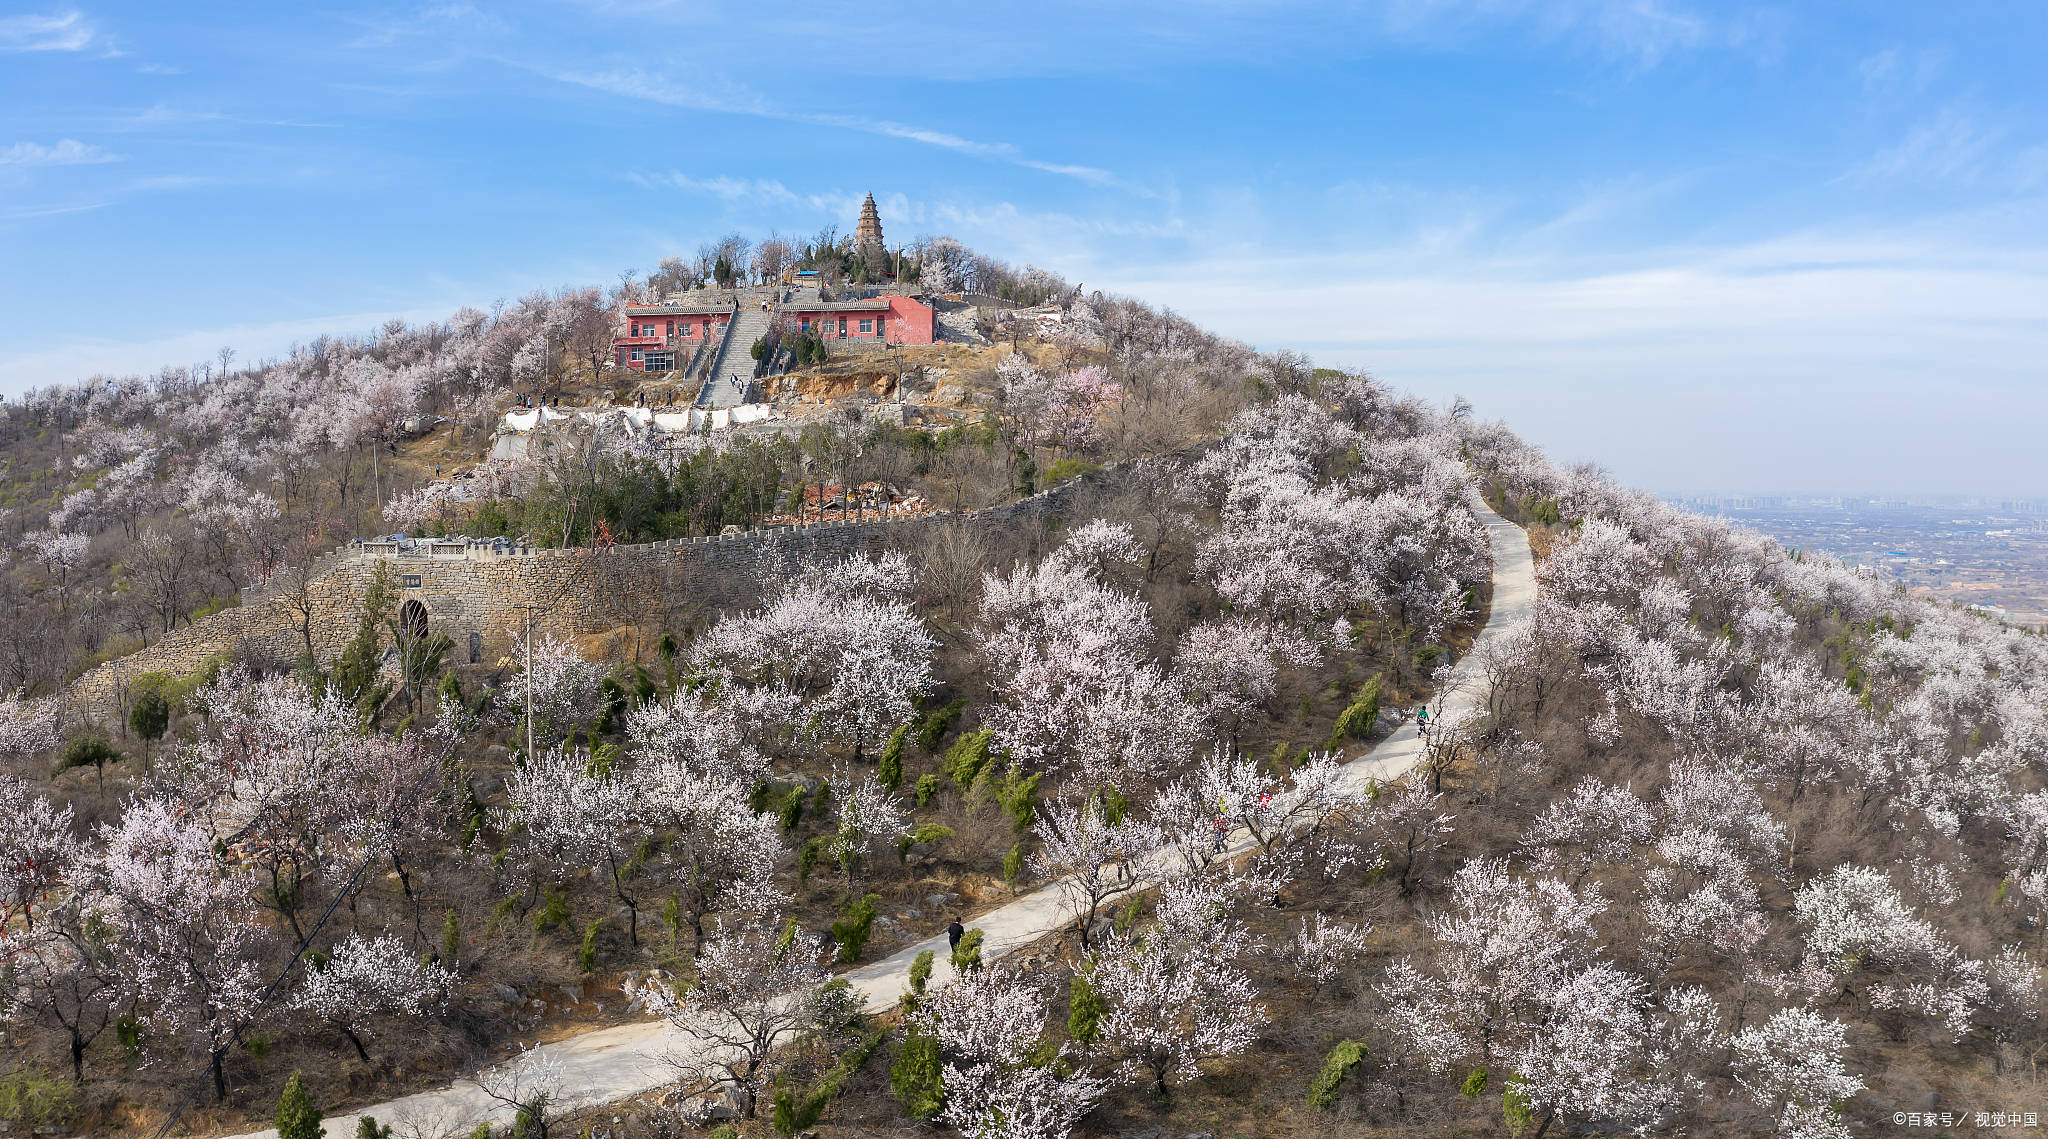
<point x="612" y="1064"/>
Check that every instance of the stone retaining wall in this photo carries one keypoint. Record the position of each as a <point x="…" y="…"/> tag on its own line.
<point x="478" y="597"/>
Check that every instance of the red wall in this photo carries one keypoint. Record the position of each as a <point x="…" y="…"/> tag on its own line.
<point x="909" y="322"/>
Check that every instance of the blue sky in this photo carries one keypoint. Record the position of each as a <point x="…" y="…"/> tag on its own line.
<point x="1711" y="247"/>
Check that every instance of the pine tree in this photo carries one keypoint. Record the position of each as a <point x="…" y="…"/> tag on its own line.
<point x="150" y="717"/>
<point x="891" y="772"/>
<point x="355" y="674"/>
<point x="915" y="1079"/>
<point x="298" y="1117"/>
<point x="1085" y="1010"/>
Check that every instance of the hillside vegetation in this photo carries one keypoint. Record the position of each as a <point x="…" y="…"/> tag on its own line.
<point x="1735" y="843"/>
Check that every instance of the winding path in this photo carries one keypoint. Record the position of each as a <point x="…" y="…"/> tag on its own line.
<point x="611" y="1064"/>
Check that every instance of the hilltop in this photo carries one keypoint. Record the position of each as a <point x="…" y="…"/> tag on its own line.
<point x="392" y="711"/>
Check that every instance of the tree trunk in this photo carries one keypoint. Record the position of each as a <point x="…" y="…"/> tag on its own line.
<point x="357" y="1041"/>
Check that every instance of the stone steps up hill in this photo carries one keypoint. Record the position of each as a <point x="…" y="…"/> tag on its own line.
<point x="735" y="359"/>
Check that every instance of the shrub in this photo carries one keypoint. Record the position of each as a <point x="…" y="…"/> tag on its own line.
<point x="30" y="1098"/>
<point x="807" y="857"/>
<point x="1475" y="1084"/>
<point x="1515" y="1108"/>
<point x="1356" y="721"/>
<point x="967" y="954"/>
<point x="792" y="812"/>
<point x="586" y="954"/>
<point x="1013" y="864"/>
<point x="554" y="910"/>
<point x="821" y="803"/>
<point x="89" y="748"/>
<point x="891" y="768"/>
<point x="1114" y="806"/>
<point x="920" y="972"/>
<point x="614" y="705"/>
<point x="915" y="1078"/>
<point x="531" y="1120"/>
<point x="927" y="787"/>
<point x="367" y="1128"/>
<point x="1065" y="469"/>
<point x="1020" y="800"/>
<point x="451" y="939"/>
<point x="1085" y="1010"/>
<point x="1322" y="1093"/>
<point x="794" y="1114"/>
<point x="853" y="930"/>
<point x="932" y="729"/>
<point x="968" y="756"/>
<point x="1127" y="914"/>
<point x="298" y="1117"/>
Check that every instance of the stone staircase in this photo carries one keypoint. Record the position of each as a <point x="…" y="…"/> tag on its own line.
<point x="735" y="359"/>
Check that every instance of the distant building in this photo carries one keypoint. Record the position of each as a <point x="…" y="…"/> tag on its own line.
<point x="664" y="337"/>
<point x="867" y="237"/>
<point x="689" y="335"/>
<point x="889" y="319"/>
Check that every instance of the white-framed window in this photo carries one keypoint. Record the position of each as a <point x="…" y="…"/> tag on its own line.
<point x="867" y="327"/>
<point x="842" y="326"/>
<point x="636" y="355"/>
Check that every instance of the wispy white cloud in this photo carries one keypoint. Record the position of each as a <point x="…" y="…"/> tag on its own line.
<point x="1952" y="146"/>
<point x="1644" y="31"/>
<point x="767" y="192"/>
<point x="158" y="115"/>
<point x="58" y="31"/>
<point x="67" y="152"/>
<point x="433" y="21"/>
<point x="739" y="100"/>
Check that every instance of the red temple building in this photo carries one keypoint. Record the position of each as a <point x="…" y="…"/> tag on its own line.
<point x="689" y="335"/>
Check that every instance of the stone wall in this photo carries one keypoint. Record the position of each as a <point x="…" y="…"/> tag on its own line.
<point x="478" y="598"/>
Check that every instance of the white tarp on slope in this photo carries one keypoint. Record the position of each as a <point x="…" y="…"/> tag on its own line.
<point x="635" y="420"/>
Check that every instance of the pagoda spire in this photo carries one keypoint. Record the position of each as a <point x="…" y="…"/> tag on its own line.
<point x="868" y="234"/>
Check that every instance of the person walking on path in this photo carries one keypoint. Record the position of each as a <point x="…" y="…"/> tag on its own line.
<point x="1422" y="720"/>
<point x="953" y="934"/>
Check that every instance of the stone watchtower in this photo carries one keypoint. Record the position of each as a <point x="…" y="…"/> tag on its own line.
<point x="867" y="236"/>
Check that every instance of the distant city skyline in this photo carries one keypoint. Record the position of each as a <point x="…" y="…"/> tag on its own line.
<point x="1813" y="497"/>
<point x="1699" y="245"/>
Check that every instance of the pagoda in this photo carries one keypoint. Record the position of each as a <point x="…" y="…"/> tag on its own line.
<point x="867" y="237"/>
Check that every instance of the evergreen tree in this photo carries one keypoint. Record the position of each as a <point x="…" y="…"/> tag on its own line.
<point x="298" y="1117"/>
<point x="891" y="768"/>
<point x="915" y="1078"/>
<point x="150" y="717"/>
<point x="355" y="674"/>
<point x="1085" y="1010"/>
